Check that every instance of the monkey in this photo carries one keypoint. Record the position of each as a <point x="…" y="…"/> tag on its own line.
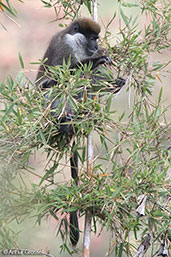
<point x="77" y="42"/>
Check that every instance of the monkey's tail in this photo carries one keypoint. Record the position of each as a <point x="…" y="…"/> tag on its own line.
<point x="74" y="226"/>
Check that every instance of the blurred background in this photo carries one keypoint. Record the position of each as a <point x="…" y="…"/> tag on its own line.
<point x="30" y="35"/>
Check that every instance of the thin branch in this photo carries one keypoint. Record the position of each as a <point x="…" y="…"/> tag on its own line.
<point x="87" y="235"/>
<point x="94" y="8"/>
<point x="143" y="247"/>
<point x="87" y="226"/>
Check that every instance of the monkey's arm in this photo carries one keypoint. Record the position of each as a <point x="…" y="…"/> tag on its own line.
<point x="96" y="61"/>
<point x="103" y="80"/>
<point x="99" y="58"/>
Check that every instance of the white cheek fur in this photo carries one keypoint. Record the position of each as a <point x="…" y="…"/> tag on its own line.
<point x="78" y="44"/>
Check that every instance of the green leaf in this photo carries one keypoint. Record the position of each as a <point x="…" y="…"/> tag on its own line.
<point x="61" y="25"/>
<point x="73" y="104"/>
<point x="8" y="9"/>
<point x="27" y="97"/>
<point x="120" y="250"/>
<point x="108" y="103"/>
<point x="21" y="61"/>
<point x="157" y="66"/>
<point x="130" y="5"/>
<point x="124" y="17"/>
<point x="122" y="116"/>
<point x="88" y="5"/>
<point x="160" y="95"/>
<point x="42" y="137"/>
<point x="49" y="172"/>
<point x="46" y="4"/>
<point x="10" y="109"/>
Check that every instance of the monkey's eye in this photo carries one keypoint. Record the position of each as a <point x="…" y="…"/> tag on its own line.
<point x="92" y="38"/>
<point x="76" y="28"/>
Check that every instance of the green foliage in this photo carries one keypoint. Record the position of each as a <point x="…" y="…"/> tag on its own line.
<point x="8" y="7"/>
<point x="134" y="156"/>
<point x="70" y="8"/>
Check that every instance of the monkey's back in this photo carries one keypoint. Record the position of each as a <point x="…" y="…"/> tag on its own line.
<point x="56" y="53"/>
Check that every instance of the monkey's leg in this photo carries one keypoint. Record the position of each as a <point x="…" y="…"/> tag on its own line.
<point x="74" y="226"/>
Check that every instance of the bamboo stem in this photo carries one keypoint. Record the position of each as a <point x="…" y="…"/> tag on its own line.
<point x="87" y="225"/>
<point x="87" y="235"/>
<point x="90" y="153"/>
<point x="94" y="8"/>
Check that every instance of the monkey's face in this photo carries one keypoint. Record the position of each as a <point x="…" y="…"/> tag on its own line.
<point x="92" y="45"/>
<point x="88" y="37"/>
<point x="83" y="46"/>
<point x="83" y="42"/>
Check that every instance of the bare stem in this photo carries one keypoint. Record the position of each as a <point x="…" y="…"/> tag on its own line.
<point x="87" y="226"/>
<point x="94" y="7"/>
<point x="87" y="235"/>
<point x="90" y="153"/>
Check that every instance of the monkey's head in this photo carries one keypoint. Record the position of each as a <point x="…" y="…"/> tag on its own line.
<point x="81" y="35"/>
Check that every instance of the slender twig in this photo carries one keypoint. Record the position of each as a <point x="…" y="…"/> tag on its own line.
<point x="87" y="226"/>
<point x="94" y="8"/>
<point x="143" y="247"/>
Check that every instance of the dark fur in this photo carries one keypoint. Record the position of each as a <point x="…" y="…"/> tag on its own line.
<point x="58" y="51"/>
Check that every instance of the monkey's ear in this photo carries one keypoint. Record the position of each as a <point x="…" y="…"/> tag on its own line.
<point x="76" y="28"/>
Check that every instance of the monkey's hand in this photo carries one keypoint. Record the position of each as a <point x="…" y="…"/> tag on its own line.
<point x="101" y="60"/>
<point x="120" y="82"/>
<point x="107" y="60"/>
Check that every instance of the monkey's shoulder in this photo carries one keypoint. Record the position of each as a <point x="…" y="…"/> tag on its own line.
<point x="57" y="51"/>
